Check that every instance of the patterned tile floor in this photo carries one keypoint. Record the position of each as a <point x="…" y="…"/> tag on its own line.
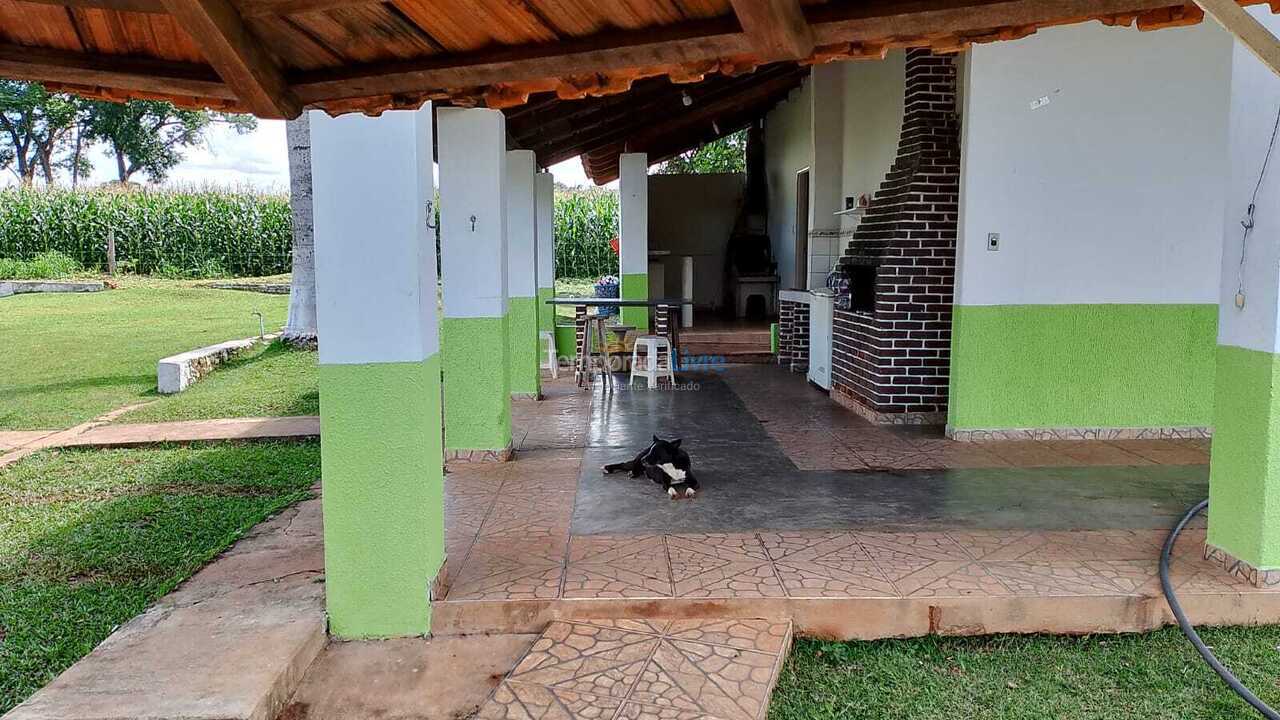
<point x="711" y="669"/>
<point x="508" y="525"/>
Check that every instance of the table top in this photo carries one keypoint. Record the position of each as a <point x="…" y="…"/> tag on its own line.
<point x="615" y="302"/>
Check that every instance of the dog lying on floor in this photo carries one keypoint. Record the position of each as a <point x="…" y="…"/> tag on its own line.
<point x="664" y="463"/>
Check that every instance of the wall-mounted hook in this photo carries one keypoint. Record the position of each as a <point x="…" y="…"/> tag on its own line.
<point x="431" y="215"/>
<point x="473" y="223"/>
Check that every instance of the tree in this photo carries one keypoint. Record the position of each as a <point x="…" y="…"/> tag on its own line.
<point x="300" y="329"/>
<point x="726" y="155"/>
<point x="35" y="129"/>
<point x="149" y="135"/>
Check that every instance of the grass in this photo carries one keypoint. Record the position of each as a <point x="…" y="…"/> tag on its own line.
<point x="89" y="539"/>
<point x="67" y="358"/>
<point x="50" y="265"/>
<point x="268" y="381"/>
<point x="1155" y="675"/>
<point x="572" y="287"/>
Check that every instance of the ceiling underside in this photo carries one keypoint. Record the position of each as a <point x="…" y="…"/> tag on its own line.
<point x="274" y="57"/>
<point x="656" y="116"/>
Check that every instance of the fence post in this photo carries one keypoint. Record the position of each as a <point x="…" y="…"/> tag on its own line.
<point x="111" y="251"/>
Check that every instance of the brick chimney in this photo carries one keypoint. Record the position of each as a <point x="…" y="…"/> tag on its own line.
<point x="891" y="352"/>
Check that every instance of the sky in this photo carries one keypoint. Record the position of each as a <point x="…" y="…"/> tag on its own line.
<point x="259" y="160"/>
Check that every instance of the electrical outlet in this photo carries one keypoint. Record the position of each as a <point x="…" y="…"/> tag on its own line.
<point x="993" y="241"/>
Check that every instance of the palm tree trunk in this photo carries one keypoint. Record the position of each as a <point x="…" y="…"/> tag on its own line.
<point x="301" y="327"/>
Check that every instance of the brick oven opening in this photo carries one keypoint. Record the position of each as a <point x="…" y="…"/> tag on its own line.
<point x="862" y="288"/>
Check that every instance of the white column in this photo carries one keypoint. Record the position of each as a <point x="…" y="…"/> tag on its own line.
<point x="545" y="206"/>
<point x="522" y="275"/>
<point x="633" y="259"/>
<point x="375" y="269"/>
<point x="473" y="240"/>
<point x="1244" y="475"/>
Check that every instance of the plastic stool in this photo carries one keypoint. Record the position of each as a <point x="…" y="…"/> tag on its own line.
<point x="656" y="347"/>
<point x="553" y="360"/>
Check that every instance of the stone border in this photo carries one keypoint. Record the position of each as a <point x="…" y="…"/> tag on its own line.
<point x="23" y="287"/>
<point x="846" y="400"/>
<point x="267" y="288"/>
<point x="179" y="372"/>
<point x="480" y="456"/>
<point x="1241" y="569"/>
<point x="1081" y="433"/>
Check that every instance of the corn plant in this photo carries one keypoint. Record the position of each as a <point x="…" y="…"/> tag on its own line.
<point x="197" y="233"/>
<point x="586" y="220"/>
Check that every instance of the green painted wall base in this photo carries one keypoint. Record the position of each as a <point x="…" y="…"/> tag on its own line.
<point x="383" y="496"/>
<point x="635" y="286"/>
<point x="546" y="313"/>
<point x="1082" y="366"/>
<point x="524" y="347"/>
<point x="477" y="390"/>
<point x="1244" y="473"/>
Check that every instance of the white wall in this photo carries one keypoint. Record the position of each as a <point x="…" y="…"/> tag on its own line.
<point x="1111" y="192"/>
<point x="1255" y="97"/>
<point x="787" y="150"/>
<point x="694" y="215"/>
<point x="873" y="94"/>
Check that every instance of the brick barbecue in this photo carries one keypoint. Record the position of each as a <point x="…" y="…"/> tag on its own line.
<point x="892" y="333"/>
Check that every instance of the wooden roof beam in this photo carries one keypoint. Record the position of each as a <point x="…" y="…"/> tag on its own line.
<point x="236" y="55"/>
<point x="1251" y="33"/>
<point x="693" y="42"/>
<point x="19" y="62"/>
<point x="777" y="28"/>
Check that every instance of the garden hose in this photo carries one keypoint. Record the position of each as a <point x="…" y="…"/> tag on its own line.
<point x="1231" y="680"/>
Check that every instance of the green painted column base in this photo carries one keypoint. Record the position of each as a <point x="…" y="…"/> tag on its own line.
<point x="383" y="496"/>
<point x="635" y="286"/>
<point x="477" y="389"/>
<point x="546" y="313"/>
<point x="1082" y="366"/>
<point x="523" y="348"/>
<point x="1244" y="471"/>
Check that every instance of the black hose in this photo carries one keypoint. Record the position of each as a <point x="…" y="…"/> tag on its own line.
<point x="1231" y="680"/>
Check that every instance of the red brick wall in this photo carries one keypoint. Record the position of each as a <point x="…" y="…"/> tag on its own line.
<point x="895" y="360"/>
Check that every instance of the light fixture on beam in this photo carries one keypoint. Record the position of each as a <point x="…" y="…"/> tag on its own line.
<point x="684" y="98"/>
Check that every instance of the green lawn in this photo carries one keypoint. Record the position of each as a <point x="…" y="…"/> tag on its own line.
<point x="1155" y="675"/>
<point x="67" y="358"/>
<point x="267" y="381"/>
<point x="88" y="539"/>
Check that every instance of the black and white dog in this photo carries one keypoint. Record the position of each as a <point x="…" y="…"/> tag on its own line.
<point x="664" y="463"/>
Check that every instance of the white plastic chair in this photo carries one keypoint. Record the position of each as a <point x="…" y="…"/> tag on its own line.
<point x="552" y="362"/>
<point x="656" y="348"/>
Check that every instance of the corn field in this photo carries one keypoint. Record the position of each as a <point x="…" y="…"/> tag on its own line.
<point x="586" y="220"/>
<point x="225" y="233"/>
<point x="198" y="233"/>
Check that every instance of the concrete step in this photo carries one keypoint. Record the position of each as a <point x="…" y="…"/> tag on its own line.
<point x="754" y="357"/>
<point x="629" y="653"/>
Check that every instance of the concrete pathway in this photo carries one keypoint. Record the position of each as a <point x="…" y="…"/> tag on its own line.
<point x="99" y="432"/>
<point x="645" y="669"/>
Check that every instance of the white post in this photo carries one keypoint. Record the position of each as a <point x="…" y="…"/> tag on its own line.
<point x="633" y="258"/>
<point x="686" y="291"/>
<point x="545" y="201"/>
<point x="522" y="276"/>
<point x="473" y="240"/>
<point x="375" y="273"/>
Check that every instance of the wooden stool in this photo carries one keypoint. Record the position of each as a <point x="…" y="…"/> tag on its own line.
<point x="595" y="332"/>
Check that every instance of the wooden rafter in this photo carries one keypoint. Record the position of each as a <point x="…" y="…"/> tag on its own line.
<point x="832" y="24"/>
<point x="777" y="28"/>
<point x="1251" y="33"/>
<point x="128" y="73"/>
<point x="236" y="55"/>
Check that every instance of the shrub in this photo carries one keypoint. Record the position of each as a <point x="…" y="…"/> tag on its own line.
<point x="189" y="233"/>
<point x="48" y="265"/>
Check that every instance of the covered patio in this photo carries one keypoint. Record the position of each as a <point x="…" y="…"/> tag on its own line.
<point x="881" y="508"/>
